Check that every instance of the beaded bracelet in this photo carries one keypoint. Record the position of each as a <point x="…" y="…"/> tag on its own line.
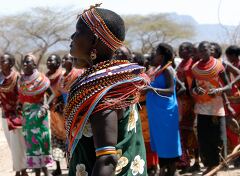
<point x="108" y="150"/>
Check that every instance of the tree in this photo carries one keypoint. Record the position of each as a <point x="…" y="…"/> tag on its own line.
<point x="36" y="31"/>
<point x="146" y="32"/>
<point x="234" y="35"/>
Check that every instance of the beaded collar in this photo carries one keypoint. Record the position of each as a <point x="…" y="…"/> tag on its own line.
<point x="31" y="77"/>
<point x="9" y="82"/>
<point x="208" y="70"/>
<point x="34" y="84"/>
<point x="97" y="79"/>
<point x="95" y="68"/>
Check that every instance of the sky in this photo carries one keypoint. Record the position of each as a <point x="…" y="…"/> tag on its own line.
<point x="203" y="11"/>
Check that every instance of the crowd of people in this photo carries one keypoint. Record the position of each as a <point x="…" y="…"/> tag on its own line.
<point x="26" y="99"/>
<point x="198" y="98"/>
<point x="107" y="110"/>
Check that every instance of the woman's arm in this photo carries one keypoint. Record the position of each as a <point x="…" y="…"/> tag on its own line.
<point x="235" y="81"/>
<point x="51" y="97"/>
<point x="197" y="90"/>
<point x="226" y="87"/>
<point x="105" y="133"/>
<point x="231" y="69"/>
<point x="169" y="90"/>
<point x="45" y="107"/>
<point x="182" y="88"/>
<point x="225" y="80"/>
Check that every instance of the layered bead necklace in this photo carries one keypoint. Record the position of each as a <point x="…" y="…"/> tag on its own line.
<point x="95" y="79"/>
<point x="34" y="84"/>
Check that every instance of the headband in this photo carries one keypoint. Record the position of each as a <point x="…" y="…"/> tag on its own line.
<point x="98" y="27"/>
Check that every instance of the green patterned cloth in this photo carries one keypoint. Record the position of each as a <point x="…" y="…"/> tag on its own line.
<point x="130" y="147"/>
<point x="37" y="137"/>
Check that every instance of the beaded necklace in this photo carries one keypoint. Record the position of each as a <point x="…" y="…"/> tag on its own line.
<point x="207" y="71"/>
<point x="87" y="88"/>
<point x="34" y="84"/>
<point x="121" y="80"/>
<point x="95" y="68"/>
<point x="27" y="79"/>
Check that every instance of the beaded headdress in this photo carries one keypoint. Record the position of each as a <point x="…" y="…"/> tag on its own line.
<point x="98" y="27"/>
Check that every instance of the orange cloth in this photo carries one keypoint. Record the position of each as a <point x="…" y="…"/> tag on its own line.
<point x="57" y="125"/>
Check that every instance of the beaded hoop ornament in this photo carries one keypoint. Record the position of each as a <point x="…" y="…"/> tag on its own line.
<point x="98" y="27"/>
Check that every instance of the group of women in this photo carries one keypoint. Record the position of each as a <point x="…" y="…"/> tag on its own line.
<point x="95" y="119"/>
<point x="198" y="98"/>
<point x="212" y="88"/>
<point x="26" y="99"/>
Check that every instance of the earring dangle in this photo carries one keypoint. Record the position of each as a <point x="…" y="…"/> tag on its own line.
<point x="93" y="54"/>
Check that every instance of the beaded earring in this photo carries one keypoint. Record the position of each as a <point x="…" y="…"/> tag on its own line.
<point x="93" y="54"/>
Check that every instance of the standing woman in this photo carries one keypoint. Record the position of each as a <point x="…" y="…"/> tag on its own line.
<point x="208" y="78"/>
<point x="186" y="105"/>
<point x="103" y="126"/>
<point x="70" y="75"/>
<point x="162" y="110"/>
<point x="58" y="135"/>
<point x="233" y="56"/>
<point x="32" y="88"/>
<point x="11" y="120"/>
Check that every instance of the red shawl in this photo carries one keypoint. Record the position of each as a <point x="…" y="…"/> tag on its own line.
<point x="9" y="105"/>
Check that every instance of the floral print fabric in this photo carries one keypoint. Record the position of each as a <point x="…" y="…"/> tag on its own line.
<point x="37" y="137"/>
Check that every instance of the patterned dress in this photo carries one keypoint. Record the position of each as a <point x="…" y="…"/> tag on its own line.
<point x="108" y="85"/>
<point x="35" y="129"/>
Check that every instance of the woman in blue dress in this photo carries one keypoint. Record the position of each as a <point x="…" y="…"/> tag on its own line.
<point x="162" y="110"/>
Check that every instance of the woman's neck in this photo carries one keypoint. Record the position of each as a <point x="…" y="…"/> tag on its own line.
<point x="205" y="60"/>
<point x="68" y="70"/>
<point x="6" y="72"/>
<point x="50" y="72"/>
<point x="101" y="59"/>
<point x="29" y="73"/>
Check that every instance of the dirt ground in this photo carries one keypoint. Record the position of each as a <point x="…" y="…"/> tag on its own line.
<point x="6" y="163"/>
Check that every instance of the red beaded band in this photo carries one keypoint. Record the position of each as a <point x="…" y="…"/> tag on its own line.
<point x="98" y="26"/>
